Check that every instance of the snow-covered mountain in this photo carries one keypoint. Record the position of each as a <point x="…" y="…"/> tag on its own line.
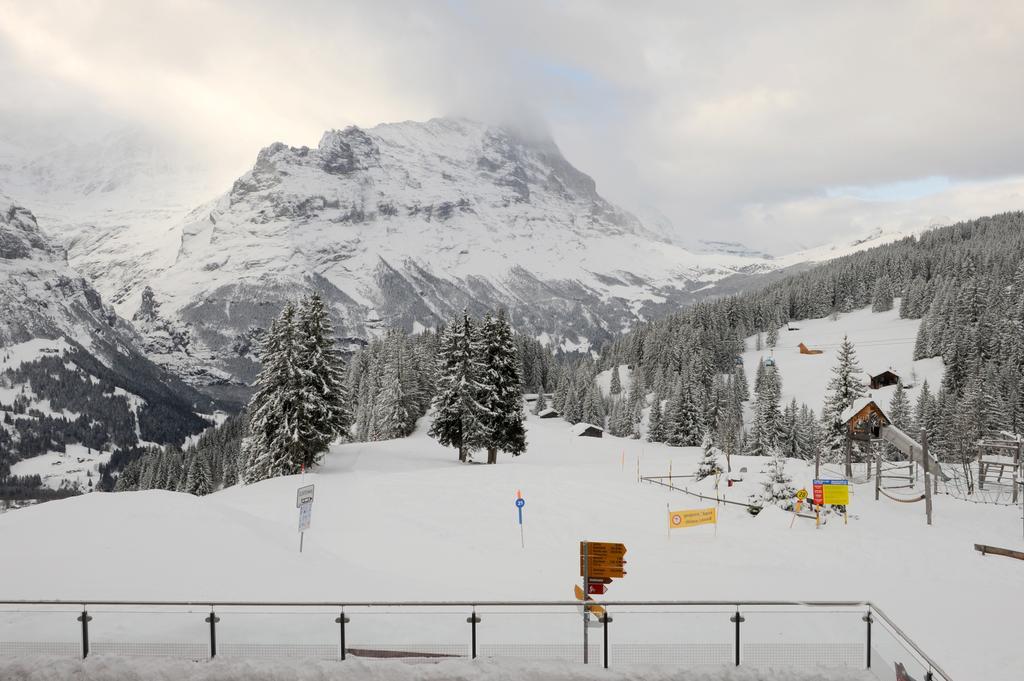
<point x="397" y="225"/>
<point x="71" y="370"/>
<point x="402" y="225"/>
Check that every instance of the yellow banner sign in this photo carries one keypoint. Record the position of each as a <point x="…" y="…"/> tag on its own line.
<point x="692" y="518"/>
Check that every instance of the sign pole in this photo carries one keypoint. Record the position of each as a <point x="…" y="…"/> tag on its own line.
<point x="301" y="536"/>
<point x="586" y="612"/>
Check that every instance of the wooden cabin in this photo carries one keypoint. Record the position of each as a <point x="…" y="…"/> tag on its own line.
<point x="865" y="419"/>
<point x="887" y="377"/>
<point x="587" y="430"/>
<point x="548" y="413"/>
<point x="804" y="350"/>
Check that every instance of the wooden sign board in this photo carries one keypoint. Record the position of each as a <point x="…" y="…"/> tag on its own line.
<point x="603" y="559"/>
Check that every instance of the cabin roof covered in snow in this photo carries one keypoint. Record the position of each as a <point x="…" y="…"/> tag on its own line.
<point x="547" y="412"/>
<point x="857" y="407"/>
<point x="581" y="428"/>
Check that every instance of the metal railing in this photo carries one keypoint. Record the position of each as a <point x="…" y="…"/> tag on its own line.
<point x="847" y="634"/>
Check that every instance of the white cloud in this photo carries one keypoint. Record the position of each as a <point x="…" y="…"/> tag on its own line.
<point x="716" y="114"/>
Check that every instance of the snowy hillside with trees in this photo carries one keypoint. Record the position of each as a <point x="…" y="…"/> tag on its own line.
<point x="379" y="503"/>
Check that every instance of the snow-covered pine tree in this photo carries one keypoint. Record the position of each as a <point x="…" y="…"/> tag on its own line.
<point x="790" y="435"/>
<point x="709" y="461"/>
<point x="777" y="488"/>
<point x="393" y="418"/>
<point x="899" y="414"/>
<point x="766" y="427"/>
<point x="656" y="424"/>
<point x="273" y="447"/>
<point x="593" y="405"/>
<point x="882" y="298"/>
<point x="324" y="413"/>
<point x="500" y="394"/>
<point x="616" y="384"/>
<point x="683" y="427"/>
<point x="459" y="418"/>
<point x="844" y="388"/>
<point x="542" y="402"/>
<point x="199" y="479"/>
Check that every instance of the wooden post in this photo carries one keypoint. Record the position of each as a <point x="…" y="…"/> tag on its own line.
<point x="1017" y="469"/>
<point x="878" y="474"/>
<point x="817" y="464"/>
<point x="849" y="457"/>
<point x="926" y="461"/>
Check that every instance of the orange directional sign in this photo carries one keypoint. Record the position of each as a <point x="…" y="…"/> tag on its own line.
<point x="602" y="559"/>
<point x="595" y="609"/>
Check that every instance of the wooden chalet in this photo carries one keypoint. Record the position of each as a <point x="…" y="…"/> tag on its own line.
<point x="548" y="413"/>
<point x="587" y="430"/>
<point x="864" y="419"/>
<point x="887" y="377"/>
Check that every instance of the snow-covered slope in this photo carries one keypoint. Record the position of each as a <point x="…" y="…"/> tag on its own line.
<point x="403" y="224"/>
<point x="882" y="341"/>
<point x="402" y="519"/>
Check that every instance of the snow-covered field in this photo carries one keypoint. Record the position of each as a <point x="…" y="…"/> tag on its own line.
<point x="77" y="464"/>
<point x="403" y="520"/>
<point x="882" y="341"/>
<point x="121" y="669"/>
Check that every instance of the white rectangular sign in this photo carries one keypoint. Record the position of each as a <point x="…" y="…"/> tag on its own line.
<point x="304" y="496"/>
<point x="305" y="515"/>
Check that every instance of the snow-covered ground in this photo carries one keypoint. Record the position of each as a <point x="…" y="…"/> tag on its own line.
<point x="882" y="341"/>
<point x="77" y="464"/>
<point x="403" y="520"/>
<point x="121" y="669"/>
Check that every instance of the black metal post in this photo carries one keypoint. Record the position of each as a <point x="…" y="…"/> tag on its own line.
<point x="737" y="618"/>
<point x="605" y="620"/>
<point x="342" y="621"/>
<point x="84" y="618"/>
<point x="213" y="619"/>
<point x="868" y="619"/>
<point x="473" y="621"/>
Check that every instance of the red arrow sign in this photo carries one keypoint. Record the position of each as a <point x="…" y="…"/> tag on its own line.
<point x="596" y="589"/>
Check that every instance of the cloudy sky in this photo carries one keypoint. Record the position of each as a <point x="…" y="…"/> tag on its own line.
<point x="777" y="124"/>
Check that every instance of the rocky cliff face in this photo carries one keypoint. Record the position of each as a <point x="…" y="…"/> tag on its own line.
<point x="402" y="225"/>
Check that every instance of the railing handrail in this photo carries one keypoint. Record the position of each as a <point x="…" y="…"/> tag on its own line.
<point x="85" y="603"/>
<point x="413" y="604"/>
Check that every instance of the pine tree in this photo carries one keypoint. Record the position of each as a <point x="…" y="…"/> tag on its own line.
<point x="500" y="394"/>
<point x="323" y="412"/>
<point x="844" y="389"/>
<point x="777" y="488"/>
<point x="459" y="418"/>
<point x="709" y="462"/>
<point x="273" y="447"/>
<point x="683" y="427"/>
<point x="656" y="424"/>
<point x="199" y="480"/>
<point x="542" y="402"/>
<point x="766" y="427"/>
<point x="882" y="298"/>
<point x="616" y="384"/>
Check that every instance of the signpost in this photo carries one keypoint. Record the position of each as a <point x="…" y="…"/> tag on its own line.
<point x="520" y="502"/>
<point x="304" y="502"/>
<point x="801" y="496"/>
<point x="600" y="563"/>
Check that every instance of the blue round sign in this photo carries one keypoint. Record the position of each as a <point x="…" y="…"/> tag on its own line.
<point x="520" y="503"/>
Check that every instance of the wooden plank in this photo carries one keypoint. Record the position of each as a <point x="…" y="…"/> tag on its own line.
<point x="1010" y="553"/>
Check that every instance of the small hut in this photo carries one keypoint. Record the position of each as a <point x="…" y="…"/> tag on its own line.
<point x="587" y="430"/>
<point x="864" y="419"/>
<point x="887" y="377"/>
<point x="548" y="413"/>
<point x="804" y="350"/>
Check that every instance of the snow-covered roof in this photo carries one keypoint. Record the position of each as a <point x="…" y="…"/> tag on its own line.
<point x="856" y="407"/>
<point x="581" y="428"/>
<point x="548" y="411"/>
